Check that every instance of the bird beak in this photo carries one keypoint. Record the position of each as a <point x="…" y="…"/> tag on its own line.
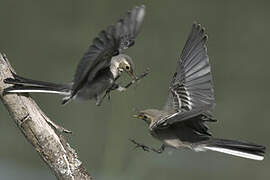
<point x="132" y="75"/>
<point x="137" y="116"/>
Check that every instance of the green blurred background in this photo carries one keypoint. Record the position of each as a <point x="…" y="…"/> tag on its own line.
<point x="44" y="40"/>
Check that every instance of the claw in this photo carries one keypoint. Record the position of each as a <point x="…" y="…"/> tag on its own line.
<point x="121" y="89"/>
<point x="146" y="148"/>
<point x="139" y="145"/>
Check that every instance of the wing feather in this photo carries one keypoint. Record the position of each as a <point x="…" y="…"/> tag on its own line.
<point x="191" y="86"/>
<point x="107" y="44"/>
<point x="191" y="94"/>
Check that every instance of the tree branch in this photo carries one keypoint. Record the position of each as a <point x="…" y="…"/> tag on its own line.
<point x="32" y="122"/>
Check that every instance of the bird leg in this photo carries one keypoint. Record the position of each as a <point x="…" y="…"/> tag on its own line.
<point x="116" y="86"/>
<point x="107" y="93"/>
<point x="147" y="148"/>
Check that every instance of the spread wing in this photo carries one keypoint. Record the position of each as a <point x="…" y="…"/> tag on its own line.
<point x="191" y="86"/>
<point x="107" y="44"/>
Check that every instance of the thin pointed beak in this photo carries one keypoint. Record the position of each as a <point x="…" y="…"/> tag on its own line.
<point x="137" y="113"/>
<point x="135" y="116"/>
<point x="132" y="75"/>
<point x="138" y="116"/>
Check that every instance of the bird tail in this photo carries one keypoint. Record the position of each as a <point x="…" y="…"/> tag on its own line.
<point x="236" y="148"/>
<point x="24" y="85"/>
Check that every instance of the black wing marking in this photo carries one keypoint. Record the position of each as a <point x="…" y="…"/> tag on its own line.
<point x="182" y="116"/>
<point x="192" y="131"/>
<point x="191" y="85"/>
<point x="106" y="45"/>
<point x="188" y="126"/>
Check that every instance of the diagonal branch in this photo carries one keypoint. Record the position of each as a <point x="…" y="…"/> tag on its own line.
<point x="32" y="122"/>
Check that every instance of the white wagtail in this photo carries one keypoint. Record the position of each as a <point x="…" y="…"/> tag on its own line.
<point x="182" y="123"/>
<point x="99" y="67"/>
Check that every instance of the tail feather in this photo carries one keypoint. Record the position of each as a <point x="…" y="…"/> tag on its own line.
<point x="236" y="148"/>
<point x="36" y="89"/>
<point x="24" y="85"/>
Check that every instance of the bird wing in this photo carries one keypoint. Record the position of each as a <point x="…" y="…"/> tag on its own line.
<point x="181" y="117"/>
<point x="107" y="44"/>
<point x="188" y="126"/>
<point x="191" y="85"/>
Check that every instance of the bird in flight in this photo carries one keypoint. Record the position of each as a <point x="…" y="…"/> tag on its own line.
<point x="182" y="122"/>
<point x="100" y="66"/>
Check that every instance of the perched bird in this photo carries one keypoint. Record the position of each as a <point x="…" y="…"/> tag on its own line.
<point x="99" y="67"/>
<point x="182" y="122"/>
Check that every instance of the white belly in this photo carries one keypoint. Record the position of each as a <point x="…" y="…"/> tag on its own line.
<point x="176" y="143"/>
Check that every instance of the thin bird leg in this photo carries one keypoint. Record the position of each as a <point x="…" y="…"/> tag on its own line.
<point x="147" y="148"/>
<point x="107" y="93"/>
<point x="161" y="149"/>
<point x="120" y="88"/>
<point x="145" y="73"/>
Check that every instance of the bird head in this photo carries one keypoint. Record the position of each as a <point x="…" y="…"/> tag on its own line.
<point x="126" y="64"/>
<point x="148" y="115"/>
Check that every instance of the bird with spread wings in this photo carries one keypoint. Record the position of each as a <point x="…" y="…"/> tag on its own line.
<point x="100" y="66"/>
<point x="182" y="122"/>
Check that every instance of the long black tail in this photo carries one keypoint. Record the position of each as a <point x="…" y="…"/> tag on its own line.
<point x="236" y="148"/>
<point x="22" y="85"/>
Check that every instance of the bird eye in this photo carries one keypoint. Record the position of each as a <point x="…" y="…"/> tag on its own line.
<point x="127" y="67"/>
<point x="144" y="117"/>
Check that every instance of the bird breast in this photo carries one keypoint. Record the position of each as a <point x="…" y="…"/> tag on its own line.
<point x="170" y="139"/>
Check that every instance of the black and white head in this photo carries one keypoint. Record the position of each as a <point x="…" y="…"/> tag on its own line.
<point x="122" y="63"/>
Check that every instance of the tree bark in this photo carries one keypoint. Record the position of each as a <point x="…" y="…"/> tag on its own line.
<point x="33" y="123"/>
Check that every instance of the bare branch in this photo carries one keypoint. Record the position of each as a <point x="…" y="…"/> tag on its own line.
<point x="32" y="122"/>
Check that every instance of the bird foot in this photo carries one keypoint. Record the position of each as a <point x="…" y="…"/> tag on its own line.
<point x="147" y="148"/>
<point x="139" y="145"/>
<point x="121" y="89"/>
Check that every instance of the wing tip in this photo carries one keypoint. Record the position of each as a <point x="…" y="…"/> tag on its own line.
<point x="199" y="27"/>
